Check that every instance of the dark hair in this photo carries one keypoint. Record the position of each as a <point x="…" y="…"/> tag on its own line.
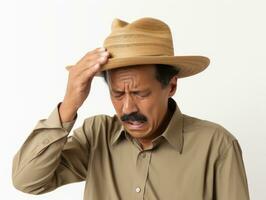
<point x="163" y="73"/>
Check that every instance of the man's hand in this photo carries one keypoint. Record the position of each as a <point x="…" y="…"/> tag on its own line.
<point x="79" y="82"/>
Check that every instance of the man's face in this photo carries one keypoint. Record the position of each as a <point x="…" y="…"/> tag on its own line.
<point x="139" y="99"/>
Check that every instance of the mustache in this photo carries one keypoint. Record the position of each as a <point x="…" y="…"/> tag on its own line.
<point x="134" y="117"/>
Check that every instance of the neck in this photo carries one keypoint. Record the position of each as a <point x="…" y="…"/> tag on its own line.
<point x="147" y="142"/>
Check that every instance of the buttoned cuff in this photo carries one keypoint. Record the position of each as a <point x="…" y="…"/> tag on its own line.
<point x="54" y="121"/>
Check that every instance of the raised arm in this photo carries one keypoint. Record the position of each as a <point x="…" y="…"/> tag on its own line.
<point x="49" y="157"/>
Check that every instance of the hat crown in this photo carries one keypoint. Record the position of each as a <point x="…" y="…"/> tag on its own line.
<point x="143" y="37"/>
<point x="118" y="23"/>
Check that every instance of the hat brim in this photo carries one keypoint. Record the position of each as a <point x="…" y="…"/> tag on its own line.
<point x="188" y="65"/>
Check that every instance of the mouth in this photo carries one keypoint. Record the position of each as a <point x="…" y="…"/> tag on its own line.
<point x="134" y="125"/>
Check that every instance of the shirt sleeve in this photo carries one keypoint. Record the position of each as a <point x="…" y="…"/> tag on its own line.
<point x="231" y="180"/>
<point x="49" y="157"/>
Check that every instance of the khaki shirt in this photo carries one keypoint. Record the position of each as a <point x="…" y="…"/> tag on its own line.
<point x="192" y="160"/>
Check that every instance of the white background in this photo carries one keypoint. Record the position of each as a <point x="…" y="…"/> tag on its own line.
<point x="39" y="38"/>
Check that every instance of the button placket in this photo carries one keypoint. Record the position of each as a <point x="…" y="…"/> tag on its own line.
<point x="143" y="155"/>
<point x="143" y="163"/>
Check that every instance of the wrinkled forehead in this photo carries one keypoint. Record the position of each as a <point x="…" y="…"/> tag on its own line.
<point x="137" y="72"/>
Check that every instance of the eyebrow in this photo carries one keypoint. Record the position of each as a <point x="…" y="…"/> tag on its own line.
<point x="133" y="91"/>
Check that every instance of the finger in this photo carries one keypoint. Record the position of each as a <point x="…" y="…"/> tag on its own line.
<point x="97" y="55"/>
<point x="92" y="54"/>
<point x="95" y="51"/>
<point x="89" y="62"/>
<point x="91" y="72"/>
<point x="102" y="59"/>
<point x="100" y="49"/>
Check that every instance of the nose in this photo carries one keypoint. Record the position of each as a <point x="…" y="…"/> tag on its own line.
<point x="129" y="106"/>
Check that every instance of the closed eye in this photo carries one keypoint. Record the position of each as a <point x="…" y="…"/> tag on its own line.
<point x="117" y="93"/>
<point x="142" y="93"/>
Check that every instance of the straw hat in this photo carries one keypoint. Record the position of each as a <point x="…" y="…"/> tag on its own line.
<point x="147" y="41"/>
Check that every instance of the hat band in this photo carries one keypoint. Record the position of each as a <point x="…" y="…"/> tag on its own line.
<point x="164" y="38"/>
<point x="139" y="49"/>
<point x="139" y="44"/>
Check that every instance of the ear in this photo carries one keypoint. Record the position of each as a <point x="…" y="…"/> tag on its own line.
<point x="172" y="85"/>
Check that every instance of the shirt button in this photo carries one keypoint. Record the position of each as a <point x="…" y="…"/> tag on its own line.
<point x="144" y="155"/>
<point x="138" y="190"/>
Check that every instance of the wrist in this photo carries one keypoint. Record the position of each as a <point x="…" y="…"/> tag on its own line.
<point x="67" y="113"/>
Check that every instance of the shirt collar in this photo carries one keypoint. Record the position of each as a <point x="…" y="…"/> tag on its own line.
<point x="173" y="133"/>
<point x="119" y="133"/>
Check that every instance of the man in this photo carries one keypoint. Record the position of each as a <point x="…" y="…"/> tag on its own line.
<point x="149" y="149"/>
